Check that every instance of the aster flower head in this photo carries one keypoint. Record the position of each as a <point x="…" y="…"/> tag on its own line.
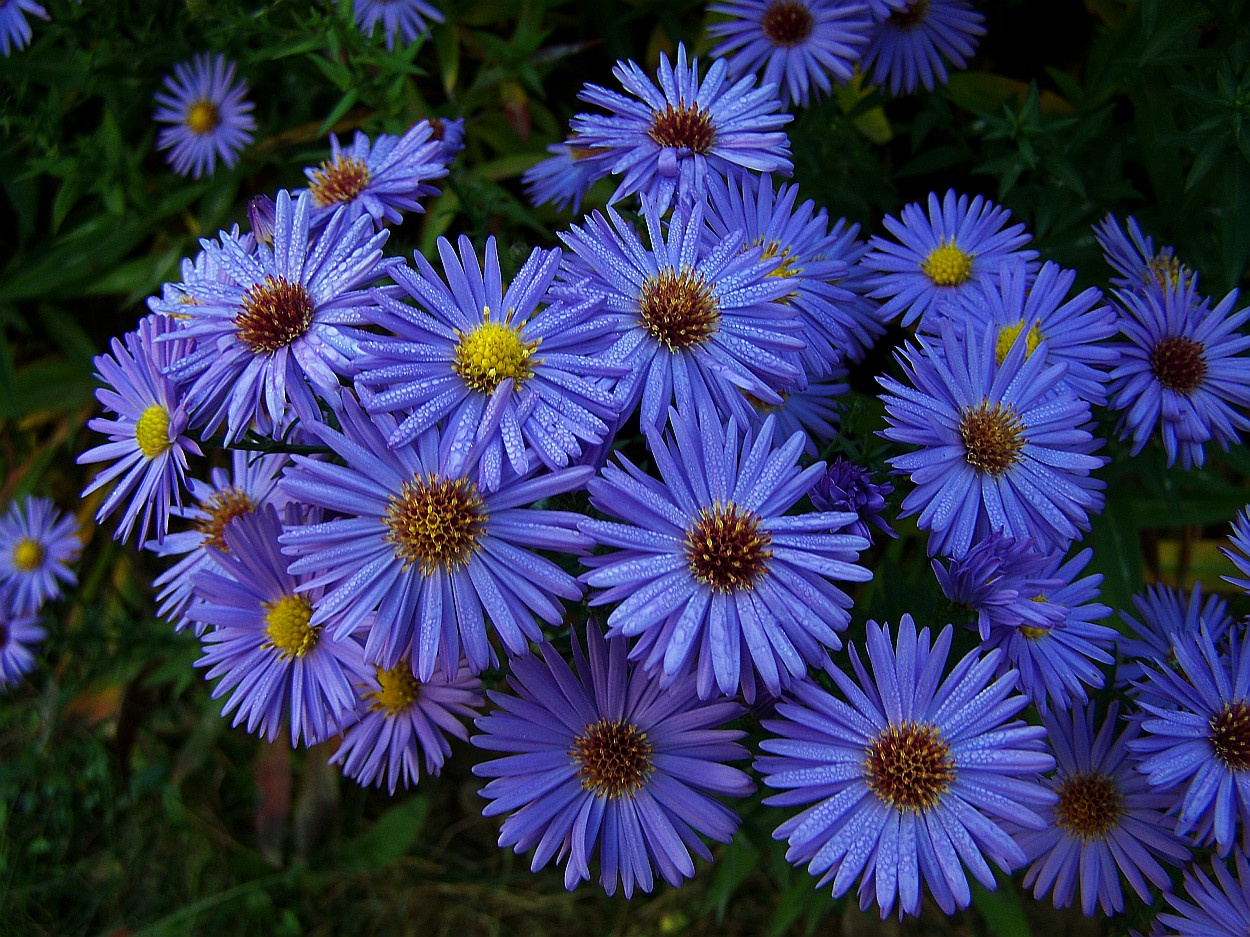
<point x="420" y="543"/>
<point x="1183" y="372"/>
<point x="1239" y="541"/>
<point x="815" y="411"/>
<point x="845" y="486"/>
<point x="506" y="369"/>
<point x="285" y="325"/>
<point x="15" y="32"/>
<point x="564" y="177"/>
<point x="383" y="178"/>
<point x="953" y="251"/>
<point x="1132" y="255"/>
<point x="1003" y="447"/>
<point x="802" y="45"/>
<point x="1165" y="613"/>
<point x="1107" y="826"/>
<point x="203" y="269"/>
<point x="999" y="579"/>
<point x="1016" y="301"/>
<point x="148" y="446"/>
<point x="449" y="132"/>
<point x="404" y="723"/>
<point x="1196" y="740"/>
<point x="20" y="635"/>
<point x="666" y="142"/>
<point x="1218" y="906"/>
<point x="249" y="484"/>
<point x="403" y="18"/>
<point x="697" y="324"/>
<point x="37" y="545"/>
<point x="274" y="663"/>
<point x="913" y="44"/>
<point x="910" y="776"/>
<point x="711" y="574"/>
<point x="598" y="758"/>
<point x="209" y="115"/>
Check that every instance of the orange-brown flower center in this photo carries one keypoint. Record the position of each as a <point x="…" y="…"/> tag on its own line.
<point x="436" y="522"/>
<point x="1179" y="364"/>
<point x="273" y="314"/>
<point x="787" y="22"/>
<point x="223" y="507"/>
<point x="1089" y="805"/>
<point x="614" y="758"/>
<point x="727" y="549"/>
<point x="683" y="126"/>
<point x="909" y="766"/>
<point x="340" y="180"/>
<point x="679" y="309"/>
<point x="992" y="437"/>
<point x="910" y="16"/>
<point x="1230" y="735"/>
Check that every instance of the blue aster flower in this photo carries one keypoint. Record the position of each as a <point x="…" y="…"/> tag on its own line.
<point x="953" y="252"/>
<point x="1004" y="447"/>
<point x="1056" y="664"/>
<point x="1133" y="257"/>
<point x="1216" y="908"/>
<point x="815" y="411"/>
<point x="1165" y="613"/>
<point x="696" y="323"/>
<point x="1074" y="329"/>
<point x="37" y="545"/>
<point x="1239" y="553"/>
<point x="209" y="114"/>
<point x="1183" y="371"/>
<point x="383" y="178"/>
<point x="248" y="485"/>
<point x="868" y="322"/>
<point x="599" y="758"/>
<point x="912" y="45"/>
<point x="449" y="132"/>
<point x="273" y="661"/>
<point x="998" y="579"/>
<point x="711" y="574"/>
<point x="846" y="486"/>
<point x="403" y="18"/>
<point x="15" y="32"/>
<point x="564" y="177"/>
<point x="666" y="142"/>
<point x="286" y="326"/>
<point x="404" y="724"/>
<point x="910" y="777"/>
<point x="800" y="44"/>
<point x="20" y="635"/>
<point x="148" y="445"/>
<point x="1196" y="741"/>
<point x="202" y="269"/>
<point x="1108" y="825"/>
<point x="422" y="545"/>
<point x="498" y="367"/>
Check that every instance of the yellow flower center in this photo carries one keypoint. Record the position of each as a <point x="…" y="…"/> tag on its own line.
<point x="152" y="431"/>
<point x="27" y="554"/>
<point x="1007" y="336"/>
<point x="339" y="181"/>
<point x="789" y="264"/>
<point x="491" y="353"/>
<point x="223" y="507"/>
<point x="203" y="117"/>
<point x="679" y="309"/>
<point x="398" y="689"/>
<point x="947" y="265"/>
<point x="287" y="626"/>
<point x="435" y="522"/>
<point x="727" y="549"/>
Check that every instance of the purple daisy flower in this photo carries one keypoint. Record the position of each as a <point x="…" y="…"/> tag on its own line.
<point x="867" y="319"/>
<point x="954" y="252"/>
<point x="912" y="45"/>
<point x="37" y="544"/>
<point x="1183" y="371"/>
<point x="846" y="486"/>
<point x="710" y="573"/>
<point x="148" y="445"/>
<point x="599" y="758"/>
<point x="1056" y="664"/>
<point x="489" y="364"/>
<point x="1239" y="540"/>
<point x="1219" y="908"/>
<point x="383" y="178"/>
<point x="275" y="663"/>
<point x="248" y="485"/>
<point x="1196" y="745"/>
<point x="209" y="113"/>
<point x="1166" y="613"/>
<point x="19" y="636"/>
<point x="285" y="327"/>
<point x="673" y="138"/>
<point x="1003" y="447"/>
<point x="422" y="545"/>
<point x="1073" y="329"/>
<point x="15" y="32"/>
<point x="815" y="411"/>
<point x="404" y="723"/>
<point x="999" y="578"/>
<point x="449" y="132"/>
<point x="801" y="44"/>
<point x="696" y="324"/>
<point x="564" y="177"/>
<point x="405" y="18"/>
<point x="199" y="270"/>
<point x="1133" y="257"/>
<point x="910" y="777"/>
<point x="1108" y="824"/>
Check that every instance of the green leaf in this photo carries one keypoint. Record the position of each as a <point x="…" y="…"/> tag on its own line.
<point x="394" y="834"/>
<point x="1001" y="908"/>
<point x="336" y="114"/>
<point x="734" y="865"/>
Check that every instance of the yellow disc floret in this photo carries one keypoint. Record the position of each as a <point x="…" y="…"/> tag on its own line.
<point x="1007" y="336"/>
<point x="397" y="689"/>
<point x="287" y="625"/>
<point x="152" y="431"/>
<point x="947" y="265"/>
<point x="27" y="554"/>
<point x="491" y="353"/>
<point x="203" y="117"/>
